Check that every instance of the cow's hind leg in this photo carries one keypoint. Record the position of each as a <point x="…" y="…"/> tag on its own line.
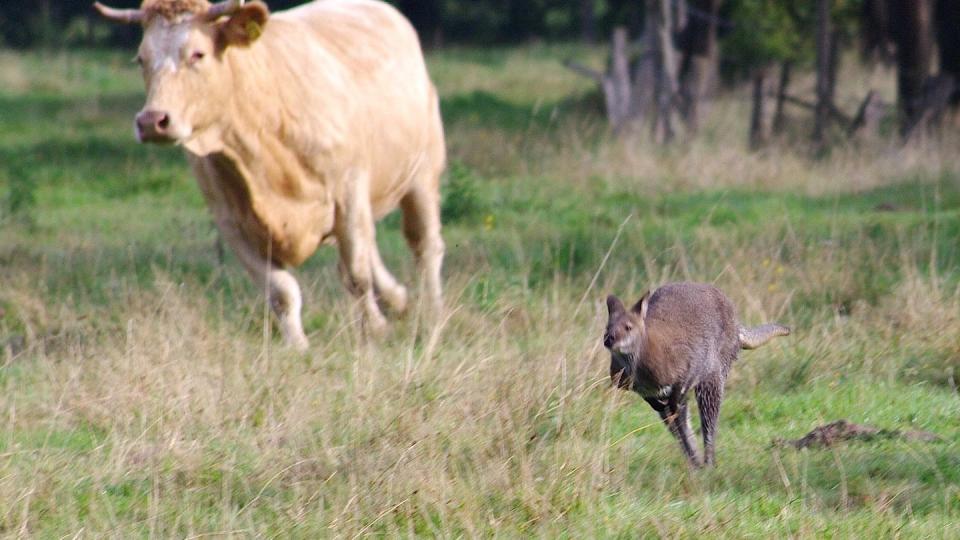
<point x="356" y="239"/>
<point x="421" y="227"/>
<point x="282" y="289"/>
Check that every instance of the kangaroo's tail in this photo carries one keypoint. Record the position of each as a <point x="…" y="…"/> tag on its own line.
<point x="751" y="338"/>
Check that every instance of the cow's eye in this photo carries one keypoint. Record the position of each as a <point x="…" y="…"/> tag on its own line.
<point x="196" y="56"/>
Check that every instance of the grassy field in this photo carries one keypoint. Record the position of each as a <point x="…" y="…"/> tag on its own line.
<point x="145" y="391"/>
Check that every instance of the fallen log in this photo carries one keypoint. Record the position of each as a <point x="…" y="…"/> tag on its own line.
<point x="835" y="113"/>
<point x="868" y="115"/>
<point x="841" y="430"/>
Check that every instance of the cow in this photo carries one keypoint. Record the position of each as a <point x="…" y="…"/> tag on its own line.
<point x="303" y="127"/>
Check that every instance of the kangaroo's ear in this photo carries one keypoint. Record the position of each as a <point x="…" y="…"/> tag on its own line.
<point x="614" y="305"/>
<point x="640" y="308"/>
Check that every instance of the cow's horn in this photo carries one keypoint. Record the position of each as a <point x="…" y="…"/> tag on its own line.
<point x="126" y="16"/>
<point x="223" y="8"/>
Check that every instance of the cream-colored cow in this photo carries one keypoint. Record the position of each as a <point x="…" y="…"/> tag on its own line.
<point x="303" y="127"/>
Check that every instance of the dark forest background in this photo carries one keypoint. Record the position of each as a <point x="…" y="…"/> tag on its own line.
<point x="73" y="22"/>
<point x="662" y="51"/>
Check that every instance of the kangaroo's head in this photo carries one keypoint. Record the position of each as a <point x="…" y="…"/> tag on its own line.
<point x="625" y="327"/>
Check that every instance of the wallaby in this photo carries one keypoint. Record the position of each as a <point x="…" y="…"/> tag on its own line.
<point x="683" y="336"/>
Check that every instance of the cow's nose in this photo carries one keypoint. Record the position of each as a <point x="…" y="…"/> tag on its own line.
<point x="153" y="125"/>
<point x="608" y="341"/>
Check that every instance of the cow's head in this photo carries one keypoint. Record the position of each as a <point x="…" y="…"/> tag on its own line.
<point x="182" y="59"/>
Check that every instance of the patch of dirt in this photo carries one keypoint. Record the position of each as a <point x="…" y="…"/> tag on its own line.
<point x="886" y="207"/>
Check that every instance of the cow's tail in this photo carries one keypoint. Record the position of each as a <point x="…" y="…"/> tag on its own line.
<point x="751" y="338"/>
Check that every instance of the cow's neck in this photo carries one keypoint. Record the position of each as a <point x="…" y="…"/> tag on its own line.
<point x="252" y="109"/>
<point x="267" y="127"/>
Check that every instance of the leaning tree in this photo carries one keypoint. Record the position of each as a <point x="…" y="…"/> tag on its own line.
<point x="661" y="79"/>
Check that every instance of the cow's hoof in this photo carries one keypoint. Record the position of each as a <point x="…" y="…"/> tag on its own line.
<point x="375" y="325"/>
<point x="395" y="300"/>
<point x="299" y="343"/>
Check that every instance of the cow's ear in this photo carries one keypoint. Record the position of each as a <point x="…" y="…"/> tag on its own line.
<point x="244" y="25"/>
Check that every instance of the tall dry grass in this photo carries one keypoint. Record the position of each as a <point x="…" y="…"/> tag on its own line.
<point x="155" y="400"/>
<point x="169" y="419"/>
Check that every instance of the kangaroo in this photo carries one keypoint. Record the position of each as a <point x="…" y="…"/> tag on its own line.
<point x="683" y="336"/>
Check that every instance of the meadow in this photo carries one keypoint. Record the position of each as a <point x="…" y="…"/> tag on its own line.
<point x="145" y="392"/>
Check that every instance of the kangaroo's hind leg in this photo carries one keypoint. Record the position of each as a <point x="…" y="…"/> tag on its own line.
<point x="709" y="396"/>
<point x="675" y="414"/>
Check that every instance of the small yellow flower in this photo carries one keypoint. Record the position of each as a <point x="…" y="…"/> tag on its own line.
<point x="772" y="287"/>
<point x="766" y="263"/>
<point x="780" y="269"/>
<point x="488" y="222"/>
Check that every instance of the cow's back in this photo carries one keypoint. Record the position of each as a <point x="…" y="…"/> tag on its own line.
<point x="375" y="82"/>
<point x="365" y="35"/>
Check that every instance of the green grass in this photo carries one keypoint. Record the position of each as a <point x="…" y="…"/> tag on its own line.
<point x="145" y="394"/>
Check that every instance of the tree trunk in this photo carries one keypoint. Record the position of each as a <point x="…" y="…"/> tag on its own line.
<point x="948" y="42"/>
<point x="758" y="130"/>
<point x="911" y="29"/>
<point x="620" y="90"/>
<point x="645" y="74"/>
<point x="679" y="16"/>
<point x="823" y="72"/>
<point x="834" y="65"/>
<point x="875" y="31"/>
<point x="666" y="69"/>
<point x="698" y="43"/>
<point x="779" y="115"/>
<point x="588" y="21"/>
<point x="619" y="80"/>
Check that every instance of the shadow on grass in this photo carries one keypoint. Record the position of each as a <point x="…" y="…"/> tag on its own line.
<point x="95" y="147"/>
<point x="42" y="108"/>
<point x="485" y="109"/>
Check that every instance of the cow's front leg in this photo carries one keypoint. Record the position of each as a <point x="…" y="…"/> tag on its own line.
<point x="388" y="290"/>
<point x="356" y="239"/>
<point x="283" y="292"/>
<point x="282" y="289"/>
